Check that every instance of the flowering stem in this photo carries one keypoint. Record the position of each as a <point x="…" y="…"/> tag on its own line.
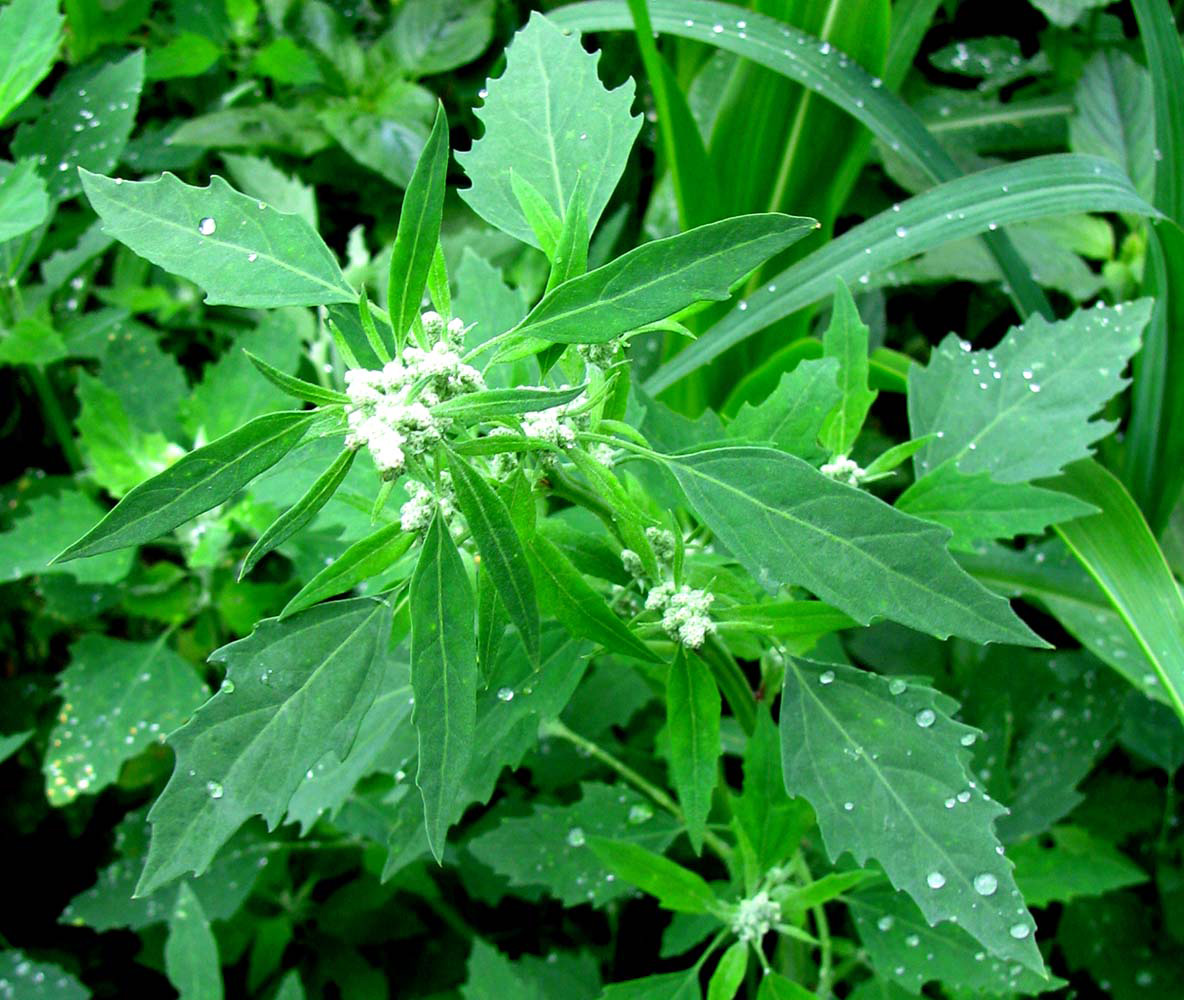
<point x="553" y="727"/>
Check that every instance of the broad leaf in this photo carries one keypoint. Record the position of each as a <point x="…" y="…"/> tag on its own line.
<point x="190" y="952"/>
<point x="86" y="124"/>
<point x="44" y="528"/>
<point x="845" y="340"/>
<point x="788" y="524"/>
<point x="792" y="415"/>
<point x="443" y="676"/>
<point x="549" y="847"/>
<point x="676" y="888"/>
<point x="419" y="229"/>
<point x="25" y="976"/>
<point x="907" y="949"/>
<point x="294" y="691"/>
<point x="240" y="250"/>
<point x="692" y="728"/>
<point x="118" y="698"/>
<point x="433" y="36"/>
<point x="1075" y="863"/>
<point x="199" y="481"/>
<point x="1066" y="13"/>
<point x="24" y="203"/>
<point x="34" y="28"/>
<point x="1022" y="409"/>
<point x="550" y="105"/>
<point x="975" y="507"/>
<point x="885" y="768"/>
<point x="658" y="279"/>
<point x="502" y="554"/>
<point x="664" y="986"/>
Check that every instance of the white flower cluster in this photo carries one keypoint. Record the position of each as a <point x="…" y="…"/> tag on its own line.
<point x="755" y="917"/>
<point x="662" y="542"/>
<point x="842" y="469"/>
<point x="685" y="613"/>
<point x="389" y="409"/>
<point x="416" y="513"/>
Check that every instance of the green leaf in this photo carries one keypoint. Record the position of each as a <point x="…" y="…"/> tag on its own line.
<point x="86" y="124"/>
<point x="241" y="251"/>
<point x="49" y="523"/>
<point x="301" y="512"/>
<point x="786" y="523"/>
<point x="1118" y="550"/>
<point x="775" y="986"/>
<point x="1021" y="410"/>
<point x="24" y="203"/>
<point x="792" y="415"/>
<point x="10" y="743"/>
<point x="364" y="559"/>
<point x="433" y="36"/>
<point x="888" y="778"/>
<point x="296" y="691"/>
<point x="564" y="593"/>
<point x="37" y="25"/>
<point x="1073" y="863"/>
<point x="502" y="554"/>
<point x="1033" y="188"/>
<point x="443" y="676"/>
<point x="676" y="888"/>
<point x="260" y="178"/>
<point x="1115" y="116"/>
<point x="906" y="949"/>
<point x="290" y="987"/>
<point x="419" y="229"/>
<point x="729" y="974"/>
<point x="487" y="404"/>
<point x="199" y="481"/>
<point x="1066" y="13"/>
<point x="570" y="259"/>
<point x="25" y="975"/>
<point x="118" y="699"/>
<point x="188" y="54"/>
<point x="549" y="100"/>
<point x="298" y="388"/>
<point x="975" y="507"/>
<point x="664" y="986"/>
<point x="549" y="846"/>
<point x="658" y="279"/>
<point x="692" y="727"/>
<point x="190" y="952"/>
<point x="846" y="341"/>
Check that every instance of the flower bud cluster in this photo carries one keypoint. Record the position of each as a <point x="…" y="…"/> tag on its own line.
<point x="389" y="409"/>
<point x="423" y="502"/>
<point x="685" y="613"/>
<point x="599" y="355"/>
<point x="555" y="425"/>
<point x="843" y="470"/>
<point x="755" y="917"/>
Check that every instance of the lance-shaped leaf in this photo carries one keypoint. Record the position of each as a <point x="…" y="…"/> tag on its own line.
<point x="1022" y="409"/>
<point x="791" y="417"/>
<point x="190" y="951"/>
<point x="790" y="525"/>
<point x="298" y="388"/>
<point x="86" y="123"/>
<point x="199" y="481"/>
<point x="301" y="512"/>
<point x="549" y="120"/>
<point x="846" y="341"/>
<point x="487" y="404"/>
<point x="502" y="555"/>
<point x="692" y="727"/>
<point x="658" y="279"/>
<point x="118" y="698"/>
<point x="976" y="507"/>
<point x="294" y="692"/>
<point x="419" y="228"/>
<point x="906" y="949"/>
<point x="886" y="770"/>
<point x="366" y="558"/>
<point x="443" y="676"/>
<point x="241" y="251"/>
<point x="676" y="888"/>
<point x="38" y="27"/>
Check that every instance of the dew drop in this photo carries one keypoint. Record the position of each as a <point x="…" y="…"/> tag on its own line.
<point x="897" y="686"/>
<point x="985" y="884"/>
<point x="228" y="686"/>
<point x="935" y="880"/>
<point x="1019" y="931"/>
<point x="252" y="257"/>
<point x="912" y="940"/>
<point x="575" y="837"/>
<point x="885" y="923"/>
<point x="827" y="677"/>
<point x="848" y="806"/>
<point x="901" y="232"/>
<point x="207" y="226"/>
<point x="214" y="789"/>
<point x="640" y="813"/>
<point x="505" y="694"/>
<point x="926" y="718"/>
<point x="1034" y="387"/>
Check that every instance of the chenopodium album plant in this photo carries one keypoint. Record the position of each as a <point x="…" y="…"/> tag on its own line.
<point x="495" y="449"/>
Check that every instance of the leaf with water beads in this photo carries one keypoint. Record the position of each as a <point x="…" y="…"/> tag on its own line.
<point x="118" y="698"/>
<point x="887" y="775"/>
<point x="295" y="691"/>
<point x="26" y="979"/>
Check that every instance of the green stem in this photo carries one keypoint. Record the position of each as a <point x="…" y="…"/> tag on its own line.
<point x="55" y="417"/>
<point x="553" y="727"/>
<point x="822" y="926"/>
